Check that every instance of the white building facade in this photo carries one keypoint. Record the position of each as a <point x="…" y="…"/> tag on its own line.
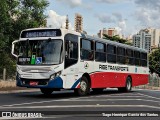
<point x="143" y="40"/>
<point x="110" y="32"/>
<point x="155" y="40"/>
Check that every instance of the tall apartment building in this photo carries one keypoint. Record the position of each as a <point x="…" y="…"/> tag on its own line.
<point x="78" y="26"/>
<point x="110" y="32"/>
<point x="143" y="40"/>
<point x="155" y="40"/>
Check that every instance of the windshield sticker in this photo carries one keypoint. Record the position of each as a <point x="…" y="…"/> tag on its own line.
<point x="33" y="59"/>
<point x="38" y="60"/>
<point x="21" y="59"/>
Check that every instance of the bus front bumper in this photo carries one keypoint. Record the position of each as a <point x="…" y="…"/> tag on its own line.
<point x="57" y="82"/>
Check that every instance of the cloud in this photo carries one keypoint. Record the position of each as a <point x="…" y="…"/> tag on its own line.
<point x="154" y="4"/>
<point x="71" y="3"/>
<point x="115" y="18"/>
<point x="110" y="1"/>
<point x="147" y="13"/>
<point x="118" y="16"/>
<point x="56" y="21"/>
<point x="122" y="25"/>
<point x="104" y="18"/>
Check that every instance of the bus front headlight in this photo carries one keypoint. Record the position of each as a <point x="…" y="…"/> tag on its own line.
<point x="52" y="76"/>
<point x="55" y="75"/>
<point x="58" y="73"/>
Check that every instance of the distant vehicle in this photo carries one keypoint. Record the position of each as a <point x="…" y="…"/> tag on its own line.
<point x="55" y="59"/>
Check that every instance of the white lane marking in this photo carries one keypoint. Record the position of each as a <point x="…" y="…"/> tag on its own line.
<point x="148" y="90"/>
<point x="149" y="96"/>
<point x="42" y="102"/>
<point x="82" y="106"/>
<point x="118" y="96"/>
<point x="105" y="100"/>
<point x="39" y="102"/>
<point x="79" y="100"/>
<point x="76" y="99"/>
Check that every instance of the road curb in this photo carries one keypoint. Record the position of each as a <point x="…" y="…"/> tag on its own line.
<point x="19" y="91"/>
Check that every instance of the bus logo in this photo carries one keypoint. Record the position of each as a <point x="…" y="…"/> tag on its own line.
<point x="86" y="65"/>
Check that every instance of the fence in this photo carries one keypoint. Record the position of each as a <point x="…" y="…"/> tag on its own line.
<point x="5" y="76"/>
<point x="154" y="80"/>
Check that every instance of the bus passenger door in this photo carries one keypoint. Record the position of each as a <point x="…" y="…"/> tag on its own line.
<point x="71" y="59"/>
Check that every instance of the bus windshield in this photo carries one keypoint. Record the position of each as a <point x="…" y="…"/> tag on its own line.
<point x="33" y="52"/>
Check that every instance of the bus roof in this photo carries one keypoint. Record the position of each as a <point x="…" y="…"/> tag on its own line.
<point x="113" y="43"/>
<point x="85" y="36"/>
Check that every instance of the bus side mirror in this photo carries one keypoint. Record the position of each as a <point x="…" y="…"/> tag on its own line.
<point x="13" y="48"/>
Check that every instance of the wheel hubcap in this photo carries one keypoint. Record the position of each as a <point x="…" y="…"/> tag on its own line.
<point x="83" y="86"/>
<point x="128" y="85"/>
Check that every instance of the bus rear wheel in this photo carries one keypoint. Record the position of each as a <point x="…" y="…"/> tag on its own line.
<point x="84" y="87"/>
<point x="46" y="91"/>
<point x="128" y="86"/>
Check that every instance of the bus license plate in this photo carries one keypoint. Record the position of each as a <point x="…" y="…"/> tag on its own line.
<point x="33" y="83"/>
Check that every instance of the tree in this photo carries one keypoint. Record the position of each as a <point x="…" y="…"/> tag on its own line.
<point x="116" y="38"/>
<point x="15" y="16"/>
<point x="8" y="9"/>
<point x="154" y="61"/>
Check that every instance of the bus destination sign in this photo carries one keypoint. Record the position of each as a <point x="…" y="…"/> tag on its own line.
<point x="41" y="33"/>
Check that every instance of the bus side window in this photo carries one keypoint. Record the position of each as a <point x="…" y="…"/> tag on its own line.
<point x="121" y="55"/>
<point x="100" y="52"/>
<point x="129" y="57"/>
<point x="87" y="52"/>
<point x="137" y="58"/>
<point x="144" y="59"/>
<point x="111" y="53"/>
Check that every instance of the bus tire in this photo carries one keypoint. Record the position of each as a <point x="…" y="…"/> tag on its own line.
<point x="97" y="90"/>
<point x="128" y="86"/>
<point x="84" y="87"/>
<point x="46" y="91"/>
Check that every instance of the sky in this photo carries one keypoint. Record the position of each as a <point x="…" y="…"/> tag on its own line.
<point x="127" y="16"/>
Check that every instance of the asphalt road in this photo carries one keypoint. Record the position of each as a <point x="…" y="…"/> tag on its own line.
<point x="138" y="104"/>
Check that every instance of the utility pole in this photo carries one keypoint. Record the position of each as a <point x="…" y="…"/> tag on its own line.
<point x="4" y="74"/>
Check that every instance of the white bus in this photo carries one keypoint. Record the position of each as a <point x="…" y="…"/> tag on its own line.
<point x="55" y="59"/>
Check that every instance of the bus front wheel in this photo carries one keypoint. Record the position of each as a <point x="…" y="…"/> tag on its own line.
<point x="84" y="87"/>
<point x="46" y="91"/>
<point x="128" y="86"/>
